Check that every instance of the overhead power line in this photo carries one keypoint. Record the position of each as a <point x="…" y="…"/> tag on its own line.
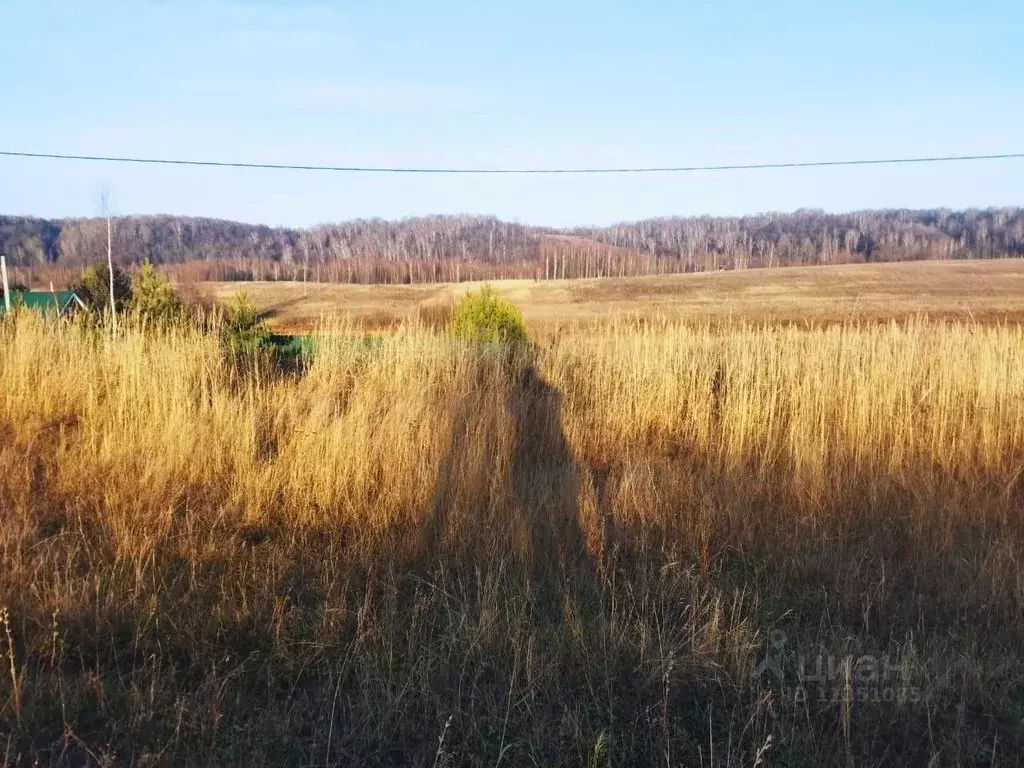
<point x="509" y="171"/>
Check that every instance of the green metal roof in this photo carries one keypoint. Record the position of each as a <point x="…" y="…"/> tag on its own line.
<point x="41" y="301"/>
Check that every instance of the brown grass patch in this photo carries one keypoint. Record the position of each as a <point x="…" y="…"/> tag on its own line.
<point x="417" y="552"/>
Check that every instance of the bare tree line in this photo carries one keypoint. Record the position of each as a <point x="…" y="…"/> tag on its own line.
<point x="816" y="237"/>
<point x="458" y="248"/>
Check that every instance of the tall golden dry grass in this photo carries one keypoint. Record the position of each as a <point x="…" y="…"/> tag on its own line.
<point x="422" y="552"/>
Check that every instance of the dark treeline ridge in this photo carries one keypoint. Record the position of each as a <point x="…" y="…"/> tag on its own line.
<point x="455" y="248"/>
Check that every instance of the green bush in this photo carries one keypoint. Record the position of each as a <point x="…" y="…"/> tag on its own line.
<point x="94" y="289"/>
<point x="484" y="316"/>
<point x="154" y="301"/>
<point x="243" y="331"/>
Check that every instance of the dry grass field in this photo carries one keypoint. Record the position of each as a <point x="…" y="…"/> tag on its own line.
<point x="673" y="544"/>
<point x="984" y="291"/>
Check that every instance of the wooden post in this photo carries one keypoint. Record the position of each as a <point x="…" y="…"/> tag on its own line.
<point x="7" y="288"/>
<point x="110" y="272"/>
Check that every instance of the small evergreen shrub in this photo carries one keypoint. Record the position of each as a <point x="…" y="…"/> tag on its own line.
<point x="153" y="299"/>
<point x="485" y="316"/>
<point x="94" y="289"/>
<point x="243" y="331"/>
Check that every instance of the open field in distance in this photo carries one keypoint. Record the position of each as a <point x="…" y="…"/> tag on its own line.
<point x="983" y="291"/>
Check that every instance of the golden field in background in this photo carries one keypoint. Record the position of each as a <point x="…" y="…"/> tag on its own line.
<point x="672" y="543"/>
<point x="984" y="291"/>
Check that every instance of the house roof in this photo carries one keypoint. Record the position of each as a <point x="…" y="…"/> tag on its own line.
<point x="43" y="301"/>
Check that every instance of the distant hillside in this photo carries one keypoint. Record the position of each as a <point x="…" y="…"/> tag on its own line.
<point x="453" y="248"/>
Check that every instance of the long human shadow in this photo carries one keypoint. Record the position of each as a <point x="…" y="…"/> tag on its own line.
<point x="530" y="516"/>
<point x="544" y="481"/>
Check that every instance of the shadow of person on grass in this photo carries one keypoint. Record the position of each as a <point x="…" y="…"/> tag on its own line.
<point x="507" y="488"/>
<point x="544" y="483"/>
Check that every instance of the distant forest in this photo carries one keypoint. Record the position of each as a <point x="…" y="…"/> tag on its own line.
<point x="456" y="248"/>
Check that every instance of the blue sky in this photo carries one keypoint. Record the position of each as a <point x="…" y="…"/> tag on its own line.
<point x="523" y="83"/>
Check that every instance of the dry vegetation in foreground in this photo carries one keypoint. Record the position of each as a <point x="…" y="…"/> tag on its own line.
<point x="978" y="291"/>
<point x="418" y="553"/>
